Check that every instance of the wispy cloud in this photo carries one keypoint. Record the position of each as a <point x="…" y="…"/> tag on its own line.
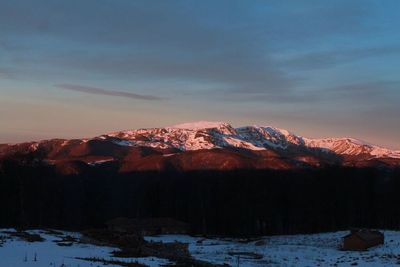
<point x="227" y="44"/>
<point x="316" y="60"/>
<point x="106" y="92"/>
<point x="370" y="90"/>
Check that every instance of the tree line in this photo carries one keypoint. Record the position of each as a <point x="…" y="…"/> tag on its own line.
<point x="234" y="203"/>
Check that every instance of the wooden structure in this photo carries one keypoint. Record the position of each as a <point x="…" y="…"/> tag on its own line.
<point x="362" y="239"/>
<point x="148" y="226"/>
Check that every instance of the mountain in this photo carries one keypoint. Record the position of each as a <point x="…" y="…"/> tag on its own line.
<point x="199" y="146"/>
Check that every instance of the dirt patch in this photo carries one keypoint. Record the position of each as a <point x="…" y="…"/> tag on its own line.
<point x="112" y="238"/>
<point x="66" y="241"/>
<point x="171" y="251"/>
<point x="25" y="236"/>
<point x="113" y="262"/>
<point x="52" y="232"/>
<point x="246" y="255"/>
<point x="133" y="245"/>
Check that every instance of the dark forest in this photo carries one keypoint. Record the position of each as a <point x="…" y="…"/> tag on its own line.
<point x="231" y="203"/>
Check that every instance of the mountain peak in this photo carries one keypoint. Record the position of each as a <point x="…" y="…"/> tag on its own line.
<point x="213" y="134"/>
<point x="200" y="125"/>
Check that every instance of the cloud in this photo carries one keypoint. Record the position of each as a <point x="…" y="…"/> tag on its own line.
<point x="212" y="43"/>
<point x="326" y="59"/>
<point x="99" y="91"/>
<point x="380" y="97"/>
<point x="224" y="49"/>
<point x="365" y="90"/>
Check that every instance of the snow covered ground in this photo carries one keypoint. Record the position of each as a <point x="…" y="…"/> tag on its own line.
<point x="296" y="250"/>
<point x="15" y="252"/>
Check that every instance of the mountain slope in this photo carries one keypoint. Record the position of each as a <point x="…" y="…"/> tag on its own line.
<point x="210" y="135"/>
<point x="203" y="145"/>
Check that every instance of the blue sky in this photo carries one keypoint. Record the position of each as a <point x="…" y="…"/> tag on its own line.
<point x="81" y="68"/>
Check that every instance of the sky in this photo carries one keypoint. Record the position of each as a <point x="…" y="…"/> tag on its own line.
<point x="76" y="68"/>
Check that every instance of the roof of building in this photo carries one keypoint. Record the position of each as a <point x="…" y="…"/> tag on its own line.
<point x="366" y="235"/>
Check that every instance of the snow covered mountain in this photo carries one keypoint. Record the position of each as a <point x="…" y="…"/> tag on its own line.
<point x="212" y="135"/>
<point x="201" y="146"/>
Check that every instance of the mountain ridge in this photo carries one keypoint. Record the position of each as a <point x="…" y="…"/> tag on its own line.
<point x="273" y="137"/>
<point x="203" y="145"/>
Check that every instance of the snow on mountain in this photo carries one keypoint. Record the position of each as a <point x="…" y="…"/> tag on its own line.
<point x="211" y="135"/>
<point x="269" y="137"/>
<point x="174" y="137"/>
<point x="395" y="154"/>
<point x="349" y="146"/>
<point x="200" y="125"/>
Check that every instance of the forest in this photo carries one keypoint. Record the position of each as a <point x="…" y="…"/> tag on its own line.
<point x="223" y="203"/>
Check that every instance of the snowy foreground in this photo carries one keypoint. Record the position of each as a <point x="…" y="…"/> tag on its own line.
<point x="298" y="250"/>
<point x="295" y="250"/>
<point x="18" y="253"/>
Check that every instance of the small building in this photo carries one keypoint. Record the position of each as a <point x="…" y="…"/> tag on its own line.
<point x="362" y="239"/>
<point x="148" y="226"/>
